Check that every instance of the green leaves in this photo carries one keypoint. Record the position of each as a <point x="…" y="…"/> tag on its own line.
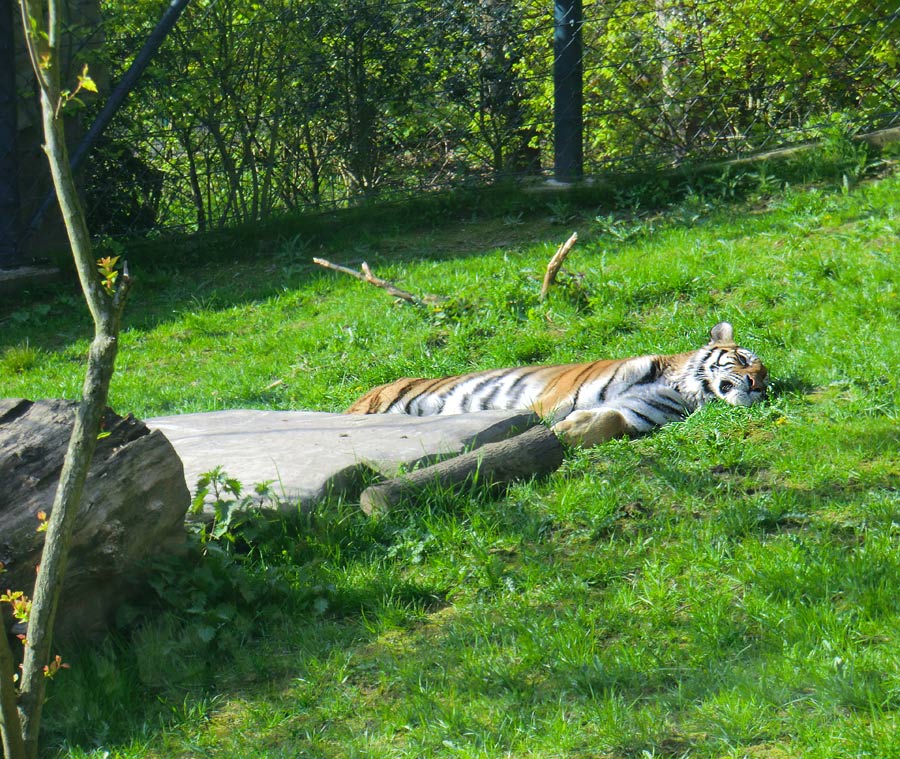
<point x="225" y="511"/>
<point x="85" y="82"/>
<point x="108" y="275"/>
<point x="68" y="97"/>
<point x="20" y="604"/>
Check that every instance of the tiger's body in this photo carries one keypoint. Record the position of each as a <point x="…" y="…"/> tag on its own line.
<point x="590" y="403"/>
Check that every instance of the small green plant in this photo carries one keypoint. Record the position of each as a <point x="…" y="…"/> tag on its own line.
<point x="623" y="229"/>
<point x="561" y="211"/>
<point x="450" y="310"/>
<point x="838" y="153"/>
<point x="210" y="598"/>
<point x="32" y="315"/>
<point x="106" y="267"/>
<point x="731" y="184"/>
<point x="84" y="83"/>
<point x="231" y="508"/>
<point x="764" y="181"/>
<point x="293" y="256"/>
<point x="20" y="358"/>
<point x="19" y="603"/>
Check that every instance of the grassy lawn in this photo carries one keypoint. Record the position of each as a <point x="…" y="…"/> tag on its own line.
<point x="726" y="587"/>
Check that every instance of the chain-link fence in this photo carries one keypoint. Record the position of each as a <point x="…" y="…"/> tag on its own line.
<point x="251" y="110"/>
<point x="670" y="81"/>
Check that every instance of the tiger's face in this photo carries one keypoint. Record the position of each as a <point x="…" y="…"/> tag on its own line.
<point x="734" y="374"/>
<point x="737" y="376"/>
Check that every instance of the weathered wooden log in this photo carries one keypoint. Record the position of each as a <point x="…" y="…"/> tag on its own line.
<point x="535" y="452"/>
<point x="132" y="509"/>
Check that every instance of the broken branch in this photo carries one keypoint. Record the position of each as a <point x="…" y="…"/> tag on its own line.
<point x="366" y="275"/>
<point x="556" y="263"/>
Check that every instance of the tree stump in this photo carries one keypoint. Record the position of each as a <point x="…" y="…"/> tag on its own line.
<point x="133" y="507"/>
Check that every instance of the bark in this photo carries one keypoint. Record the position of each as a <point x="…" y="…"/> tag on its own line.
<point x="555" y="264"/>
<point x="236" y="202"/>
<point x="42" y="38"/>
<point x="194" y="177"/>
<point x="535" y="452"/>
<point x="313" y="163"/>
<point x="10" y="727"/>
<point x="132" y="508"/>
<point x="59" y="535"/>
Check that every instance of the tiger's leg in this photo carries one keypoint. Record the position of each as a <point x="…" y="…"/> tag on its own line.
<point x="590" y="428"/>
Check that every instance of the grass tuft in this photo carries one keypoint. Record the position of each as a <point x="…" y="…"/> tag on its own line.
<point x="18" y="359"/>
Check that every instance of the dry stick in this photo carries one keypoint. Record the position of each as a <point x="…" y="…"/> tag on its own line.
<point x="366" y="275"/>
<point x="556" y="263"/>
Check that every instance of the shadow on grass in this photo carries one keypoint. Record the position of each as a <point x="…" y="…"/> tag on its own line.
<point x="791" y="385"/>
<point x="231" y="615"/>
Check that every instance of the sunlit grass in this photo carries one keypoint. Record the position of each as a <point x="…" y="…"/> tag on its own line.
<point x="725" y="587"/>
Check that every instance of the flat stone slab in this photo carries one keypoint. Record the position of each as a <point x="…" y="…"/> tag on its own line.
<point x="309" y="455"/>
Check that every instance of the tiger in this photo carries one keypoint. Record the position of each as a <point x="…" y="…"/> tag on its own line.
<point x="588" y="404"/>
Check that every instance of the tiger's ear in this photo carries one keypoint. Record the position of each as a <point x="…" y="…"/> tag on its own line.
<point x="722" y="333"/>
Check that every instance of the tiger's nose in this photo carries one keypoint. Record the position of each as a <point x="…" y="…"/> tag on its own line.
<point x="757" y="382"/>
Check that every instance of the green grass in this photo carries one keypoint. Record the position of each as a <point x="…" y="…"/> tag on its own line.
<point x="725" y="587"/>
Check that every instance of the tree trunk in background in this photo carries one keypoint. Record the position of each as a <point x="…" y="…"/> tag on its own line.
<point x="568" y="96"/>
<point x="9" y="181"/>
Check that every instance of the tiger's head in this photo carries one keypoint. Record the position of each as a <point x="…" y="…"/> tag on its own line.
<point x="727" y="371"/>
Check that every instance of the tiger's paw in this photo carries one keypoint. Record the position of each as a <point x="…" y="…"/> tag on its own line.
<point x="589" y="428"/>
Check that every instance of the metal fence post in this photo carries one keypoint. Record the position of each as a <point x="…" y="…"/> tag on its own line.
<point x="116" y="98"/>
<point x="9" y="188"/>
<point x="568" y="162"/>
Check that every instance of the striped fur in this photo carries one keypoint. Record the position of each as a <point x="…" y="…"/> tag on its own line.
<point x="593" y="402"/>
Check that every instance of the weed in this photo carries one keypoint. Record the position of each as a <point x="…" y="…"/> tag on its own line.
<point x="20" y="358"/>
<point x="731" y="184"/>
<point x="765" y="182"/>
<point x="622" y="229"/>
<point x="837" y="152"/>
<point x="31" y="315"/>
<point x="230" y="509"/>
<point x="561" y="211"/>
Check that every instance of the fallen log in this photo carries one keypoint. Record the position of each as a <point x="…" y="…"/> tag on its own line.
<point x="132" y="508"/>
<point x="535" y="452"/>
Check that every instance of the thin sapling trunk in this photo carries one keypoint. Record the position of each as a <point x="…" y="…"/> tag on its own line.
<point x="105" y="299"/>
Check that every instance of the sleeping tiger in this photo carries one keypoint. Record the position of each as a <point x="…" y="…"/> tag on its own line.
<point x="588" y="404"/>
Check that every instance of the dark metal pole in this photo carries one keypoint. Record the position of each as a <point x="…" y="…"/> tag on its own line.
<point x="568" y="163"/>
<point x="116" y="98"/>
<point x="9" y="179"/>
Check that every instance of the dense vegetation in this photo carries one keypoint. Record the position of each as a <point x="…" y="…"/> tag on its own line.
<point x="254" y="109"/>
<point x="726" y="587"/>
